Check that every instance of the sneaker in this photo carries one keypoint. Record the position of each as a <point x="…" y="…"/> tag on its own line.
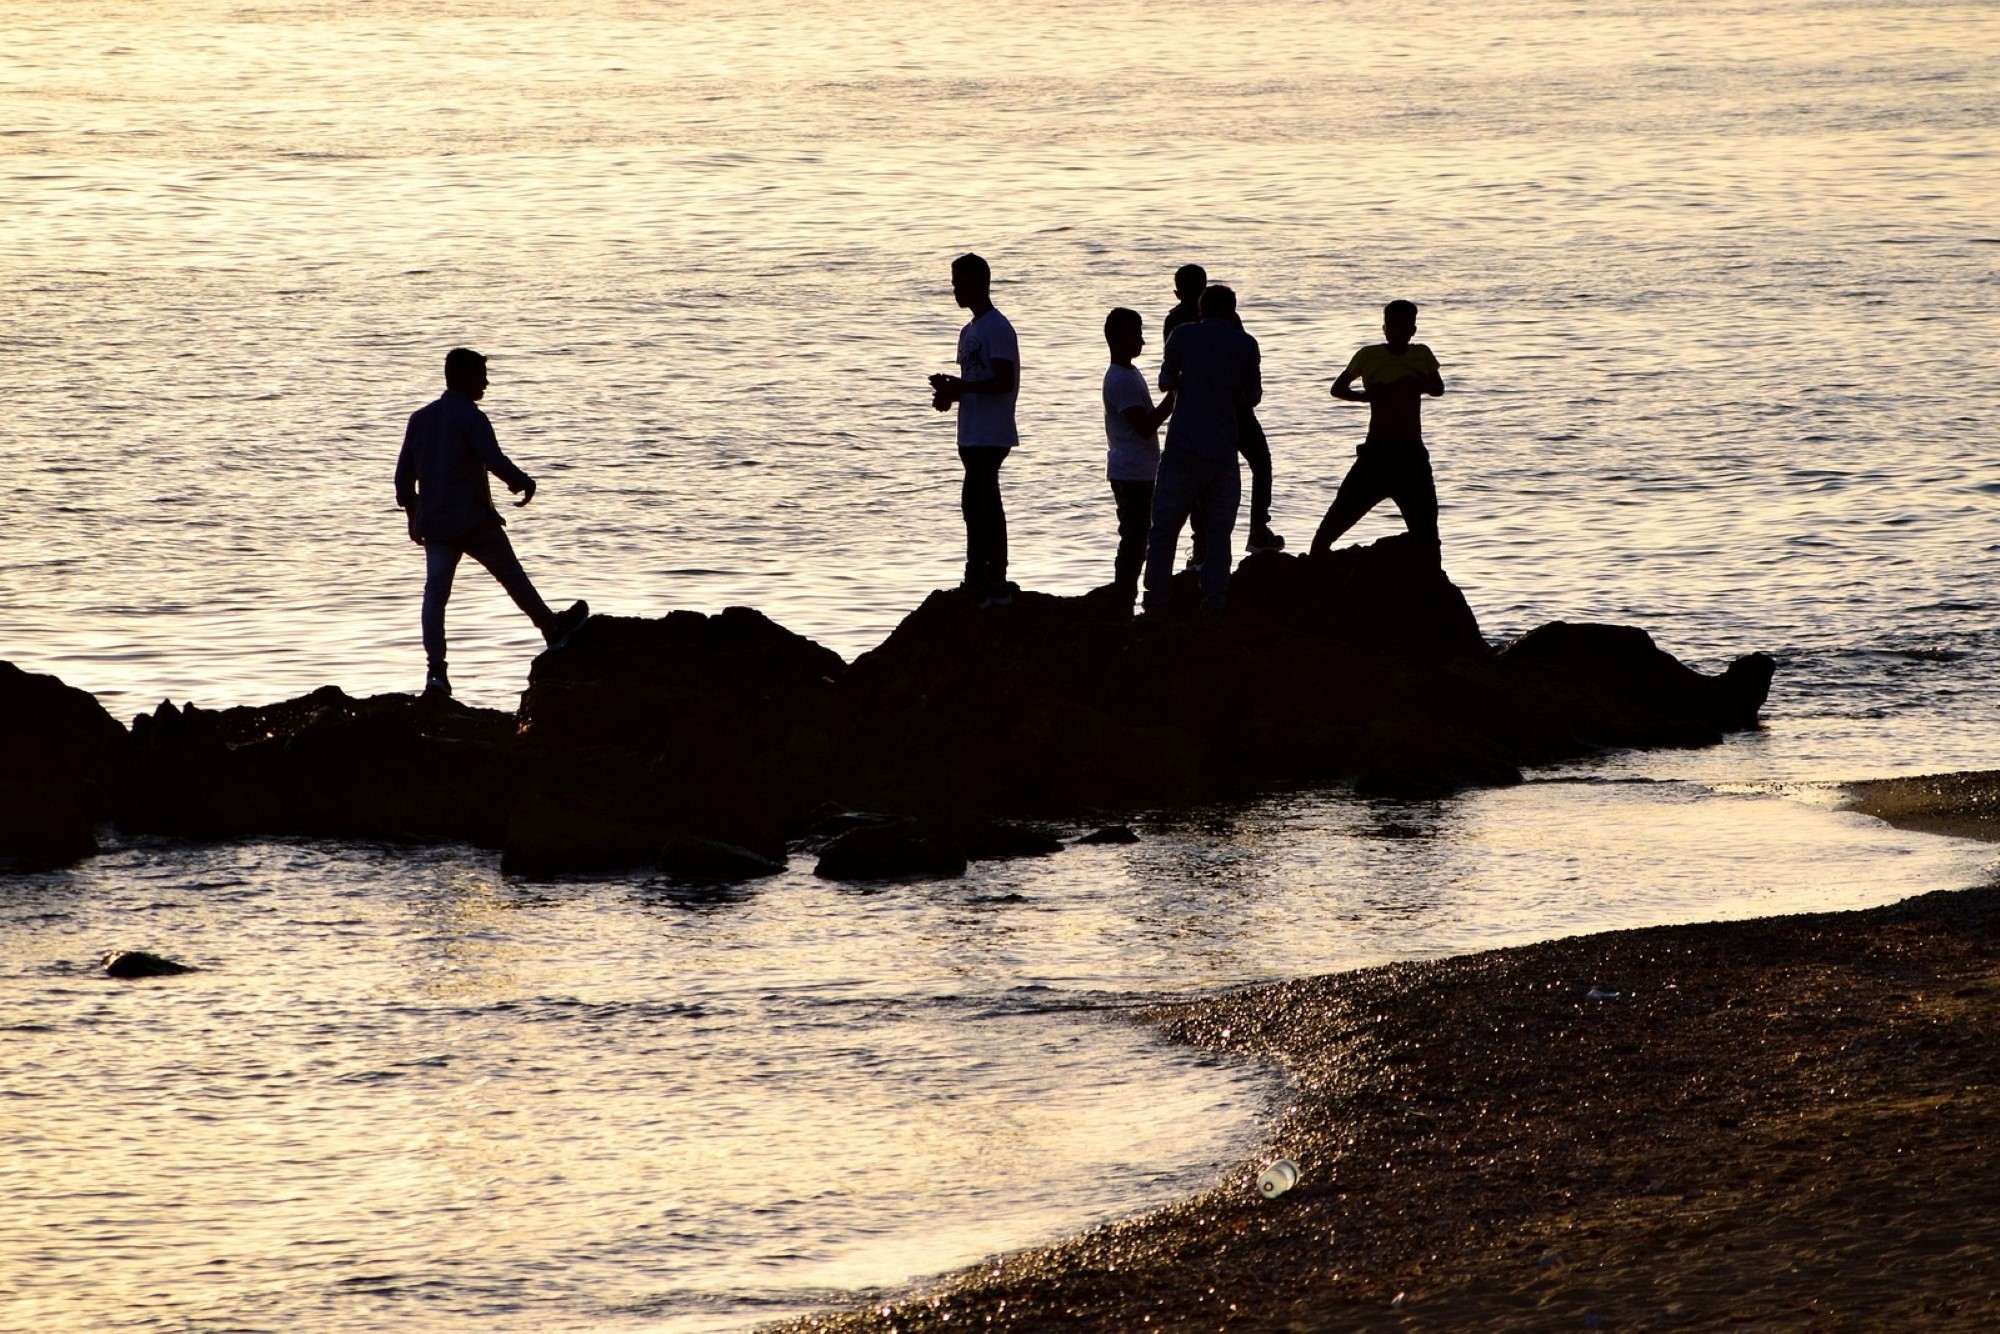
<point x="564" y="625"/>
<point x="1263" y="539"/>
<point x="437" y="683"/>
<point x="1000" y="595"/>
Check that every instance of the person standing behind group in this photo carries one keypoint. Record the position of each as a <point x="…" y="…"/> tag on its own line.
<point x="984" y="391"/>
<point x="1132" y="441"/>
<point x="1189" y="282"/>
<point x="448" y="449"/>
<point x="1391" y="463"/>
<point x="1214" y="370"/>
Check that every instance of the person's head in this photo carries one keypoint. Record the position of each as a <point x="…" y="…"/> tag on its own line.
<point x="1399" y="321"/>
<point x="1189" y="280"/>
<point x="1217" y="302"/>
<point x="1124" y="334"/>
<point x="971" y="280"/>
<point x="465" y="371"/>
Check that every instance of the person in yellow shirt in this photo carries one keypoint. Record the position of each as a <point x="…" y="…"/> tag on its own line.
<point x="1391" y="463"/>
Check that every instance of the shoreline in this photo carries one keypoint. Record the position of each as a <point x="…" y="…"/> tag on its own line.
<point x="1782" y="1120"/>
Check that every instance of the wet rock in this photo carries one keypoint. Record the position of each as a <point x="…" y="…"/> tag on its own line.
<point x="1001" y="840"/>
<point x="1111" y="833"/>
<point x="707" y="861"/>
<point x="906" y="850"/>
<point x="127" y="964"/>
<point x="401" y="768"/>
<point x="637" y="733"/>
<point x="1610" y="685"/>
<point x="62" y="760"/>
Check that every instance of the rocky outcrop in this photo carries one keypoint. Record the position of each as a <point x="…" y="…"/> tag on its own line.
<point x="703" y="747"/>
<point x="129" y="964"/>
<point x="62" y="760"/>
<point x="400" y="768"/>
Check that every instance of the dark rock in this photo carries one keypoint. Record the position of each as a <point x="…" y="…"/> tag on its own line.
<point x="62" y="761"/>
<point x="1000" y="840"/>
<point x="403" y="768"/>
<point x="1111" y="833"/>
<point x="706" y="861"/>
<point x="1610" y="685"/>
<point x="637" y="733"/>
<point x="906" y="850"/>
<point x="127" y="964"/>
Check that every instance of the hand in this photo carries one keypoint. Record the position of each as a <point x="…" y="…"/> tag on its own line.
<point x="527" y="494"/>
<point x="945" y="390"/>
<point x="415" y="536"/>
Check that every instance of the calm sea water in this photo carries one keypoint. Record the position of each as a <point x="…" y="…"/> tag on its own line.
<point x="1714" y="289"/>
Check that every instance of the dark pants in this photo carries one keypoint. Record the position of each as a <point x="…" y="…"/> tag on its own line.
<point x="1400" y="472"/>
<point x="985" y="516"/>
<point x="1135" y="521"/>
<point x="1255" y="447"/>
<point x="490" y="547"/>
<point x="1209" y="490"/>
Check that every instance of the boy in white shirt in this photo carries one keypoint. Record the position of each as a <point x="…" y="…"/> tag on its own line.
<point x="1132" y="439"/>
<point x="984" y="391"/>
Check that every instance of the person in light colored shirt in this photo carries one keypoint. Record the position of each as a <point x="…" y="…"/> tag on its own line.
<point x="448" y="450"/>
<point x="1216" y="372"/>
<point x="984" y="391"/>
<point x="1132" y="443"/>
<point x="1391" y="463"/>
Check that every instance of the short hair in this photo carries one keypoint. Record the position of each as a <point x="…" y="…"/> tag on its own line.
<point x="1400" y="312"/>
<point x="1120" y="321"/>
<point x="971" y="268"/>
<point x="1218" y="301"/>
<point x="1190" y="275"/>
<point x="460" y="363"/>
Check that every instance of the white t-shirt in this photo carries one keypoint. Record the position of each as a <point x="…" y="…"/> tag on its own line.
<point x="1133" y="457"/>
<point x="987" y="419"/>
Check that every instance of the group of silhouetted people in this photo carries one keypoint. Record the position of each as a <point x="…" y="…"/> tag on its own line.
<point x="1210" y="381"/>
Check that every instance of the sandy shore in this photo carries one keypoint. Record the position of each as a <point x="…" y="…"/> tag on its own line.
<point x="1783" y="1123"/>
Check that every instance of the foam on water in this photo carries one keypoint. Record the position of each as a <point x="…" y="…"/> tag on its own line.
<point x="1713" y="289"/>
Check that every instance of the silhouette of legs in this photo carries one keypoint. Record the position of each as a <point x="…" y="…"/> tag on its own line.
<point x="1209" y="491"/>
<point x="1385" y="472"/>
<point x="1135" y="521"/>
<point x="985" y="516"/>
<point x="492" y="550"/>
<point x="1255" y="447"/>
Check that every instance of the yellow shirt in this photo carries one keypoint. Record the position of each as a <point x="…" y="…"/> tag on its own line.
<point x="1377" y="364"/>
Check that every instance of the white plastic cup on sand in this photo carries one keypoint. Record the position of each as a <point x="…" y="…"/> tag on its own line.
<point x="1278" y="1178"/>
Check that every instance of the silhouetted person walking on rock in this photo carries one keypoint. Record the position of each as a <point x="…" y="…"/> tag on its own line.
<point x="1392" y="463"/>
<point x="1213" y="368"/>
<point x="984" y="391"/>
<point x="1189" y="282"/>
<point x="448" y="449"/>
<point x="1132" y="440"/>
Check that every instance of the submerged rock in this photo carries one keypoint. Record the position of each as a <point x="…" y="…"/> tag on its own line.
<point x="905" y="850"/>
<point x="128" y="964"/>
<point x="1110" y="834"/>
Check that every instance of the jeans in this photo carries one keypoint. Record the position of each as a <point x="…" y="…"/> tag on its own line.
<point x="490" y="547"/>
<point x="1399" y="471"/>
<point x="1135" y="521"/>
<point x="985" y="516"/>
<point x="1255" y="447"/>
<point x="1209" y="490"/>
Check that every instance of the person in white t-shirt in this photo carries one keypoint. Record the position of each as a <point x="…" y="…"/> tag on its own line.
<point x="984" y="390"/>
<point x="1132" y="439"/>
